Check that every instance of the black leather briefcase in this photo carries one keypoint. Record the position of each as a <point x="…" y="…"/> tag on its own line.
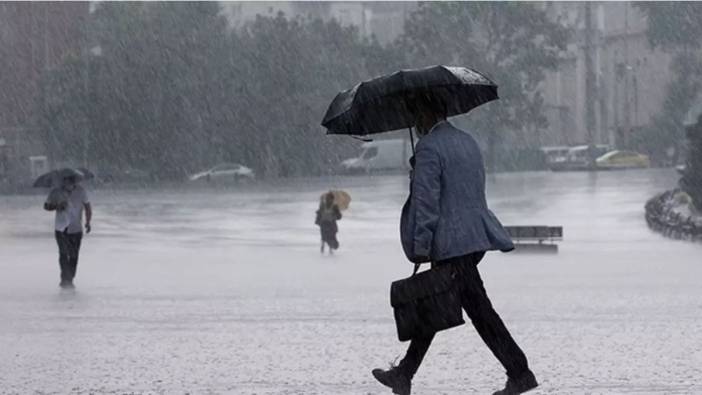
<point x="426" y="302"/>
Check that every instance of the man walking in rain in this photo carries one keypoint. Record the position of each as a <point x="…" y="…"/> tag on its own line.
<point x="68" y="201"/>
<point x="446" y="221"/>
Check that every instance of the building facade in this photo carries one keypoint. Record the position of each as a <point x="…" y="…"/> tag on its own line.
<point x="630" y="78"/>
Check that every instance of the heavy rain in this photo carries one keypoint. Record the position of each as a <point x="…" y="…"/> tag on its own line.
<point x="224" y="197"/>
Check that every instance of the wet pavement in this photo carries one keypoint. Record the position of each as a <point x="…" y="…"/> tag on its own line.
<point x="224" y="291"/>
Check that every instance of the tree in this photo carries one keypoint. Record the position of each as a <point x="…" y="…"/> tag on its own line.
<point x="666" y="129"/>
<point x="513" y="43"/>
<point x="675" y="28"/>
<point x="176" y="90"/>
<point x="672" y="25"/>
<point x="149" y="99"/>
<point x="64" y="111"/>
<point x="293" y="69"/>
<point x="691" y="181"/>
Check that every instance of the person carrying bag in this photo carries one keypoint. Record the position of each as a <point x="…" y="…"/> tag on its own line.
<point x="446" y="221"/>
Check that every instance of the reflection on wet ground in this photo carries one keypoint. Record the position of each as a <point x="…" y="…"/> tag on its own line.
<point x="224" y="291"/>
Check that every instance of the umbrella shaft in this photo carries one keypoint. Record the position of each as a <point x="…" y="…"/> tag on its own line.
<point x="411" y="139"/>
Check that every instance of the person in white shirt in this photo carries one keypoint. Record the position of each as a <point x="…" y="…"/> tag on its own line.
<point x="68" y="201"/>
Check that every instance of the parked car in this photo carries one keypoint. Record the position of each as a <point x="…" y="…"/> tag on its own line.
<point x="555" y="154"/>
<point x="380" y="155"/>
<point x="225" y="172"/>
<point x="578" y="158"/>
<point x="623" y="160"/>
<point x="123" y="176"/>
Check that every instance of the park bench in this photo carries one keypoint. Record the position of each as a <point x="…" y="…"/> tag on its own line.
<point x="539" y="238"/>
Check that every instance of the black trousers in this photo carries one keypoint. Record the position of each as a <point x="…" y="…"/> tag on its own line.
<point x="486" y="321"/>
<point x="69" y="246"/>
<point x="328" y="232"/>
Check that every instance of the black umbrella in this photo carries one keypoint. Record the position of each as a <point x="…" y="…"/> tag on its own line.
<point x="55" y="178"/>
<point x="385" y="103"/>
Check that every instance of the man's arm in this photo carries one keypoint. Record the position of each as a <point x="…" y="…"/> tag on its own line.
<point x="426" y="190"/>
<point x="88" y="216"/>
<point x="337" y="212"/>
<point x="50" y="203"/>
<point x="54" y="206"/>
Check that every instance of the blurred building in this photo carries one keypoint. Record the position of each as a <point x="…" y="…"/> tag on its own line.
<point x="34" y="37"/>
<point x="630" y="78"/>
<point x="383" y="19"/>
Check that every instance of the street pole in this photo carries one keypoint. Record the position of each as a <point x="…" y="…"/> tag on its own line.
<point x="52" y="147"/>
<point x="627" y="69"/>
<point x="589" y="84"/>
<point x="86" y="86"/>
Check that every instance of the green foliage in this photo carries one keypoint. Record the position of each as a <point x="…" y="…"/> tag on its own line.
<point x="293" y="69"/>
<point x="673" y="24"/>
<point x="514" y="43"/>
<point x="667" y="129"/>
<point x="175" y="90"/>
<point x="692" y="179"/>
<point x="676" y="28"/>
<point x="62" y="124"/>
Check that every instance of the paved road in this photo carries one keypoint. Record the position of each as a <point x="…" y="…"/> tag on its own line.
<point x="224" y="291"/>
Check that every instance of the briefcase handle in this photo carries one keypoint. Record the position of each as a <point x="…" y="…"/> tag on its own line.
<point x="417" y="265"/>
<point x="416" y="268"/>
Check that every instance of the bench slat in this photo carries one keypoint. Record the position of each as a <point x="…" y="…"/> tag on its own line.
<point x="538" y="232"/>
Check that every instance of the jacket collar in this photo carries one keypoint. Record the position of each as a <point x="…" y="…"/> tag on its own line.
<point x="438" y="125"/>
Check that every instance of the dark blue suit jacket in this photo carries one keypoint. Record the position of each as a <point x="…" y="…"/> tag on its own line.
<point x="446" y="214"/>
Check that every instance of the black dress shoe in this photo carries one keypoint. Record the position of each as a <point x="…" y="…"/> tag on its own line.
<point x="66" y="285"/>
<point x="525" y="382"/>
<point x="395" y="379"/>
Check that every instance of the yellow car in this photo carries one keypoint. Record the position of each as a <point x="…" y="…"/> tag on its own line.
<point x="622" y="160"/>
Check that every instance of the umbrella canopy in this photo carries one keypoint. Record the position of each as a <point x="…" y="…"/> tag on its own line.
<point x="55" y="178"/>
<point x="341" y="198"/>
<point x="385" y="103"/>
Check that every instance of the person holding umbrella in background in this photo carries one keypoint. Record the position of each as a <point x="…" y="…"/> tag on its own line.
<point x="329" y="212"/>
<point x="68" y="199"/>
